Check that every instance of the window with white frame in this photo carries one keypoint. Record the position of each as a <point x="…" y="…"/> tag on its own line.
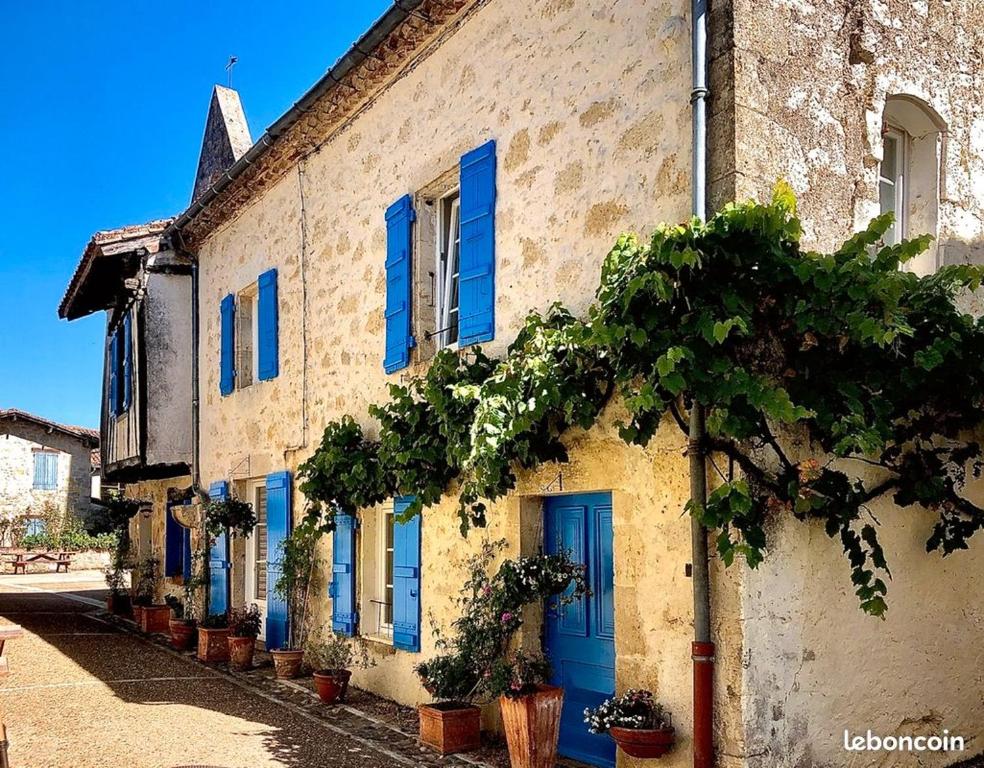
<point x="247" y="333"/>
<point x="892" y="182"/>
<point x="258" y="545"/>
<point x="377" y="542"/>
<point x="448" y="243"/>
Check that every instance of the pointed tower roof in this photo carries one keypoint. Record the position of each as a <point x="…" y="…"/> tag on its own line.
<point x="226" y="138"/>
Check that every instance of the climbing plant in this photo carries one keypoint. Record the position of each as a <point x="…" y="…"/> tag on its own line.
<point x="828" y="380"/>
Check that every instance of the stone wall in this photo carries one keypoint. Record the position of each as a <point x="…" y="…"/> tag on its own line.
<point x="811" y="84"/>
<point x="153" y="545"/>
<point x="18" y="496"/>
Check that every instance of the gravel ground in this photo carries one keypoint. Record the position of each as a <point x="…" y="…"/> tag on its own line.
<point x="82" y="693"/>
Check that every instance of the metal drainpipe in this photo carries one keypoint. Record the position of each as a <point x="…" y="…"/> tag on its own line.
<point x="702" y="650"/>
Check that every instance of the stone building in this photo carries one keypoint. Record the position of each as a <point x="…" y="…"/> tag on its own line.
<point x="45" y="473"/>
<point x="469" y="160"/>
<point x="146" y="430"/>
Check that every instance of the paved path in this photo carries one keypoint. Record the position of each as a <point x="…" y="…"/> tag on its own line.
<point x="82" y="693"/>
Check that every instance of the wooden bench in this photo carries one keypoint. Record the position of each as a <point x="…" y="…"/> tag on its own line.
<point x="19" y="560"/>
<point x="7" y="632"/>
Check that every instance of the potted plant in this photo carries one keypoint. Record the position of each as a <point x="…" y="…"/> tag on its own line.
<point x="530" y="710"/>
<point x="150" y="615"/>
<point x="180" y="627"/>
<point x="298" y="564"/>
<point x="119" y="511"/>
<point x="213" y="634"/>
<point x="244" y="628"/>
<point x="636" y="722"/>
<point x="118" y="601"/>
<point x="477" y="663"/>
<point x="332" y="661"/>
<point x="233" y="515"/>
<point x="450" y="724"/>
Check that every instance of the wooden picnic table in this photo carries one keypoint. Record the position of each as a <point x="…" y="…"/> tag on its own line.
<point x="20" y="558"/>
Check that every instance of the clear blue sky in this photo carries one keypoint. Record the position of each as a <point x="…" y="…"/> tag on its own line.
<point x="102" y="107"/>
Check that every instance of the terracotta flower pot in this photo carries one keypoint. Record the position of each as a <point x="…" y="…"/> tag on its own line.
<point x="137" y="611"/>
<point x="241" y="651"/>
<point x="637" y="742"/>
<point x="287" y="663"/>
<point x="154" y="619"/>
<point x="532" y="724"/>
<point x="182" y="634"/>
<point x="450" y="727"/>
<point x="331" y="684"/>
<point x="118" y="604"/>
<point x="213" y="644"/>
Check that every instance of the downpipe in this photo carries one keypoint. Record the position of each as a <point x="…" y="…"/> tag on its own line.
<point x="702" y="649"/>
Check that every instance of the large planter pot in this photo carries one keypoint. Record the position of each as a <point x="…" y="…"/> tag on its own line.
<point x="331" y="684"/>
<point x="182" y="634"/>
<point x="154" y="619"/>
<point x="287" y="663"/>
<point x="643" y="743"/>
<point x="450" y="727"/>
<point x="241" y="651"/>
<point x="213" y="644"/>
<point x="118" y="604"/>
<point x="532" y="724"/>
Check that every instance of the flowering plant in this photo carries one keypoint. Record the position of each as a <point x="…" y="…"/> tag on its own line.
<point x="476" y="662"/>
<point x="635" y="709"/>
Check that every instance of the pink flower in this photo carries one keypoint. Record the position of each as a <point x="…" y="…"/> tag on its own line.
<point x="506" y="617"/>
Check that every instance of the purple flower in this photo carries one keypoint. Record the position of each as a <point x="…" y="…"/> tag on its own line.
<point x="507" y="616"/>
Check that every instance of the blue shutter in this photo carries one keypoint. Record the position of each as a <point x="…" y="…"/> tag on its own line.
<point x="278" y="529"/>
<point x="114" y="374"/>
<point x="127" y="362"/>
<point x="227" y="349"/>
<point x="52" y="471"/>
<point x="173" y="544"/>
<point x="399" y="217"/>
<point x="45" y="471"/>
<point x="344" y="617"/>
<point x="267" y="326"/>
<point x="186" y="555"/>
<point x="35" y="527"/>
<point x="218" y="558"/>
<point x="476" y="291"/>
<point x="39" y="469"/>
<point x="406" y="578"/>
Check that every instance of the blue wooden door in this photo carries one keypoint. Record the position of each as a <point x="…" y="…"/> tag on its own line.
<point x="580" y="637"/>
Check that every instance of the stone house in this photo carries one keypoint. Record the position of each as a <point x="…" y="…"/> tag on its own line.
<point x="418" y="198"/>
<point x="145" y="428"/>
<point x="45" y="473"/>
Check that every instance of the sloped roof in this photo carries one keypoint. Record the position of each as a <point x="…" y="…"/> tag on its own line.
<point x="83" y="433"/>
<point x="109" y="258"/>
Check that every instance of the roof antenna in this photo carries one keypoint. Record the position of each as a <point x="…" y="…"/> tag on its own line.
<point x="233" y="60"/>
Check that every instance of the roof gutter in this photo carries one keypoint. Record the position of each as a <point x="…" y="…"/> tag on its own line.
<point x="361" y="50"/>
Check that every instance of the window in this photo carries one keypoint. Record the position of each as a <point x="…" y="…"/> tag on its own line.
<point x="45" y="470"/>
<point x="385" y="593"/>
<point x="910" y="177"/>
<point x="258" y="546"/>
<point x="892" y="182"/>
<point x="246" y="337"/>
<point x="448" y="269"/>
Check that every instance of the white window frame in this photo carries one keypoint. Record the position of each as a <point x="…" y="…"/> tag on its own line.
<point x="249" y="295"/>
<point x="448" y="224"/>
<point x="382" y="630"/>
<point x="252" y="556"/>
<point x="899" y="182"/>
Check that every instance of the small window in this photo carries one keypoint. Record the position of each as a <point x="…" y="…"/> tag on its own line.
<point x="45" y="470"/>
<point x="892" y="182"/>
<point x="379" y="586"/>
<point x="258" y="541"/>
<point x="246" y="337"/>
<point x="448" y="267"/>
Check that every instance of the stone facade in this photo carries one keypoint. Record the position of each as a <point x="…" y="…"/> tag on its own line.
<point x="20" y="439"/>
